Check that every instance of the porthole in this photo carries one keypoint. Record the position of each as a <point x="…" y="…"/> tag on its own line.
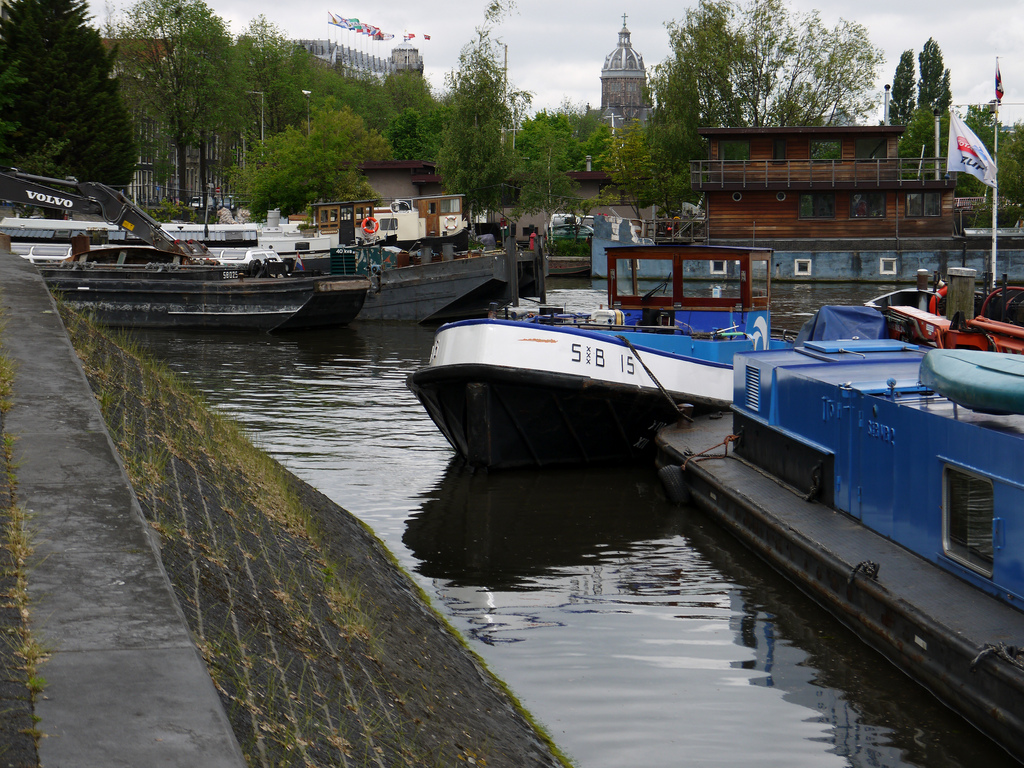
<point x="737" y="196"/>
<point x="780" y="196"/>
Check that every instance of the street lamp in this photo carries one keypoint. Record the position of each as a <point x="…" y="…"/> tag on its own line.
<point x="306" y="94"/>
<point x="261" y="112"/>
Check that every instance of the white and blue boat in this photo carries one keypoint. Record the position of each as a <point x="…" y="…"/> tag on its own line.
<point x="548" y="388"/>
<point x="885" y="480"/>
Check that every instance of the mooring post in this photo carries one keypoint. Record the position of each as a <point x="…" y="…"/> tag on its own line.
<point x="960" y="294"/>
<point x="512" y="265"/>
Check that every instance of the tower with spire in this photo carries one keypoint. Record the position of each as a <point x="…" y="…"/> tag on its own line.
<point x="623" y="82"/>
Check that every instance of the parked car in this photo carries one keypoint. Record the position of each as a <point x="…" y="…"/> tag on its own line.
<point x="571" y="232"/>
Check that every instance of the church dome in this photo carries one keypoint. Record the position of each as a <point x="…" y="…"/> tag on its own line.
<point x="623" y="60"/>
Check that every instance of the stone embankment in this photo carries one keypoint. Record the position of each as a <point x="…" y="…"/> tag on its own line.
<point x="321" y="650"/>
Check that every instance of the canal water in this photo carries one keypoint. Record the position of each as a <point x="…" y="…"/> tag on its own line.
<point x="637" y="632"/>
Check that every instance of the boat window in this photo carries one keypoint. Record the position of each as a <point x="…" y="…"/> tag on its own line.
<point x="870" y="148"/>
<point x="826" y="149"/>
<point x="818" y="205"/>
<point x="967" y="513"/>
<point x="323" y="215"/>
<point x="734" y="150"/>
<point x="759" y="276"/>
<point x="640" y="277"/>
<point x="450" y="206"/>
<point x="924" y="204"/>
<point x="334" y="214"/>
<point x="867" y="205"/>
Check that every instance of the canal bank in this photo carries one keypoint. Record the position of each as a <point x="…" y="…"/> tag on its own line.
<point x="314" y="645"/>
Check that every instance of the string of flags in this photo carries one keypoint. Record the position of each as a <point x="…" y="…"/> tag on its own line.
<point x="375" y="33"/>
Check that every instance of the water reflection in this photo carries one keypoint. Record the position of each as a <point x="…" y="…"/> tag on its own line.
<point x="506" y="529"/>
<point x="639" y="633"/>
<point x="610" y="594"/>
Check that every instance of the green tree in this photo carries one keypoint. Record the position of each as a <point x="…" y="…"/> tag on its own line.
<point x="904" y="81"/>
<point x="695" y="84"/>
<point x="628" y="162"/>
<point x="757" y="65"/>
<point x="919" y="138"/>
<point x="933" y="89"/>
<point x="416" y="136"/>
<point x="176" y="56"/>
<point x="275" y="72"/>
<point x="62" y="94"/>
<point x="548" y="152"/>
<point x="477" y="157"/>
<point x="291" y="170"/>
<point x="1011" y="174"/>
<point x="8" y="80"/>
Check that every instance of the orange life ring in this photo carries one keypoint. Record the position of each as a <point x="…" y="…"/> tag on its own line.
<point x="370" y="225"/>
<point x="933" y="304"/>
<point x="450" y="223"/>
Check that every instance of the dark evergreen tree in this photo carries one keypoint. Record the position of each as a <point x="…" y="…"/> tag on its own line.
<point x="903" y="104"/>
<point x="933" y="89"/>
<point x="71" y="120"/>
<point x="8" y="79"/>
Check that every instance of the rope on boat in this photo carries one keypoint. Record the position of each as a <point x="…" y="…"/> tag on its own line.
<point x="816" y="476"/>
<point x="868" y="567"/>
<point x="1008" y="653"/>
<point x="705" y="453"/>
<point x="657" y="383"/>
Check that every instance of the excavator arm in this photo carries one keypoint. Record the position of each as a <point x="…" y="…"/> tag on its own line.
<point x="93" y="198"/>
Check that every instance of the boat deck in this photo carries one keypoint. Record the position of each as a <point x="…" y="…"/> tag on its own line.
<point x="952" y="603"/>
<point x="923" y="618"/>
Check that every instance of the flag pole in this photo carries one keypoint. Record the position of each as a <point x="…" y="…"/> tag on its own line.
<point x="995" y="162"/>
<point x="995" y="194"/>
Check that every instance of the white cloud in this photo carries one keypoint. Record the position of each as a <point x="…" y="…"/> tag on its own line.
<point x="556" y="50"/>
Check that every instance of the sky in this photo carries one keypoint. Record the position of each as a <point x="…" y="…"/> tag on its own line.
<point x="556" y="49"/>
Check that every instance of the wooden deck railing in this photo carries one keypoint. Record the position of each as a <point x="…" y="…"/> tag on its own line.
<point x="776" y="174"/>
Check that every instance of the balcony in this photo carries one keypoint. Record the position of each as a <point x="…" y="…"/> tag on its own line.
<point x="883" y="173"/>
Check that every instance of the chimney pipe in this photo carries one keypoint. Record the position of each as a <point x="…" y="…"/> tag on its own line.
<point x="885" y="113"/>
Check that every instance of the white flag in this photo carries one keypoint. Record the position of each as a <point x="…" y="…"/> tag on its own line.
<point x="968" y="154"/>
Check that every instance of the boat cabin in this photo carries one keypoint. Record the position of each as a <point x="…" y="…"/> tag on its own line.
<point x="339" y="219"/>
<point x="820" y="182"/>
<point x="402" y="222"/>
<point x="860" y="426"/>
<point x="668" y="285"/>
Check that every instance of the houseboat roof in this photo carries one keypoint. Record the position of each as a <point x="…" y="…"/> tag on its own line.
<point x="789" y="130"/>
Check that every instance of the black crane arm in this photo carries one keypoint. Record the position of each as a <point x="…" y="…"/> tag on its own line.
<point x="94" y="198"/>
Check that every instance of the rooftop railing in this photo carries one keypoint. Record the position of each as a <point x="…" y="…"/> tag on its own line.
<point x="778" y="174"/>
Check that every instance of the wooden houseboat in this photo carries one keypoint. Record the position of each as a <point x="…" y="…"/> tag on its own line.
<point x="820" y="182"/>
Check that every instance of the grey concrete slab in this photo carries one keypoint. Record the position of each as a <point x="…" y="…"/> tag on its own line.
<point x="71" y="458"/>
<point x="133" y="709"/>
<point x="125" y="684"/>
<point x="96" y="600"/>
<point x="61" y="524"/>
<point x="59" y="411"/>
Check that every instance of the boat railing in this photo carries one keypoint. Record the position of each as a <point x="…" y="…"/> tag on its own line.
<point x="780" y="174"/>
<point x="689" y="229"/>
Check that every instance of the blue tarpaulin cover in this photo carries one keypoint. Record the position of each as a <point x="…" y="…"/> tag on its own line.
<point x="834" y="322"/>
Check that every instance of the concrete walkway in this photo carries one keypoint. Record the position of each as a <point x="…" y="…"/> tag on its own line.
<point x="125" y="686"/>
